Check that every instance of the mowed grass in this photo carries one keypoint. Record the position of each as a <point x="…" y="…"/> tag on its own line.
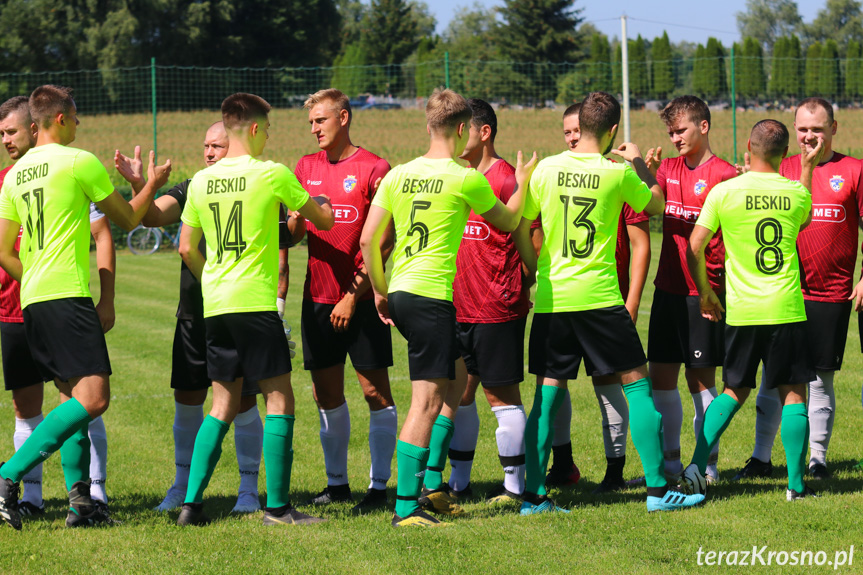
<point x="400" y="136"/>
<point x="608" y="534"/>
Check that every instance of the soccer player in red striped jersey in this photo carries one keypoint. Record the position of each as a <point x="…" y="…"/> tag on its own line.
<point x="633" y="228"/>
<point x="491" y="310"/>
<point x="828" y="251"/>
<point x="339" y="316"/>
<point x="677" y="333"/>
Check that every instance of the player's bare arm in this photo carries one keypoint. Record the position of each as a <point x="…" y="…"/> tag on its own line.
<point x="526" y="250"/>
<point x="639" y="240"/>
<point x="711" y="307"/>
<point x="630" y="153"/>
<point x="129" y="214"/>
<point x="809" y="158"/>
<point x="9" y="259"/>
<point x="319" y="212"/>
<point x="106" y="262"/>
<point x="190" y="239"/>
<point x="284" y="279"/>
<point x="164" y="210"/>
<point x="506" y="217"/>
<point x="376" y="225"/>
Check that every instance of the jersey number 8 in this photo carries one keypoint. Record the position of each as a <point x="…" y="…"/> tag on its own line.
<point x="769" y="246"/>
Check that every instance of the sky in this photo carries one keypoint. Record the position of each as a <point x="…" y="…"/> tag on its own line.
<point x="713" y="18"/>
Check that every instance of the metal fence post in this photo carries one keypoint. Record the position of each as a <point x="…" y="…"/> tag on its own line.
<point x="153" y="98"/>
<point x="733" y="106"/>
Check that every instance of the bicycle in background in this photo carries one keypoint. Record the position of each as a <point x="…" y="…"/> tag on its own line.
<point x="144" y="241"/>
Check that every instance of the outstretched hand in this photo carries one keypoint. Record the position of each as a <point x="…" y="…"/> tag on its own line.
<point x="746" y="165"/>
<point x="158" y="174"/>
<point x="628" y="151"/>
<point x="523" y="171"/>
<point x="653" y="159"/>
<point x="132" y="169"/>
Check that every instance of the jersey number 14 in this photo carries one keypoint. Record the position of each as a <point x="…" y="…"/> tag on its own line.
<point x="229" y="236"/>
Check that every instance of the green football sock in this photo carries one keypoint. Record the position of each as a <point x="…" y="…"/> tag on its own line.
<point x="412" y="461"/>
<point x="75" y="457"/>
<point x="438" y="448"/>
<point x="795" y="439"/>
<point x="539" y="435"/>
<point x="645" y="424"/>
<point x="716" y="420"/>
<point x="67" y="418"/>
<point x="278" y="458"/>
<point x="208" y="449"/>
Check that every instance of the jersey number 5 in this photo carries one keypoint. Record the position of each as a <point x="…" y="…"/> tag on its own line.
<point x="580" y="221"/>
<point x="37" y="206"/>
<point x="229" y="238"/>
<point x="769" y="246"/>
<point x="418" y="228"/>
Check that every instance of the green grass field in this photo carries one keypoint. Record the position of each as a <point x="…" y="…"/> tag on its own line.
<point x="609" y="534"/>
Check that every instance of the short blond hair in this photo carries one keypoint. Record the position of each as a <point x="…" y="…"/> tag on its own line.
<point x="445" y="110"/>
<point x="336" y="97"/>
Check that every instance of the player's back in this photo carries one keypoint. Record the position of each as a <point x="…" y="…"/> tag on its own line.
<point x="236" y="203"/>
<point x="49" y="191"/>
<point x="580" y="197"/>
<point x="760" y="215"/>
<point x="430" y="200"/>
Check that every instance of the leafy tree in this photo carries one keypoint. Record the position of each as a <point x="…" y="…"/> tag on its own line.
<point x="351" y="74"/>
<point x="698" y="72"/>
<point x="840" y="20"/>
<point x="709" y="73"/>
<point x="779" y="73"/>
<point x="767" y="20"/>
<point x="599" y="64"/>
<point x="617" y="70"/>
<point x="749" y="68"/>
<point x="853" y="70"/>
<point x="813" y="68"/>
<point x="795" y="63"/>
<point x="663" y="67"/>
<point x="828" y="71"/>
<point x="638" y="80"/>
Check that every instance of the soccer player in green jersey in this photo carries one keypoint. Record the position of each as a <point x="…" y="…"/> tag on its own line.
<point x="429" y="200"/>
<point x="234" y="205"/>
<point x="49" y="191"/>
<point x="760" y="214"/>
<point x="579" y="311"/>
<point x="21" y="374"/>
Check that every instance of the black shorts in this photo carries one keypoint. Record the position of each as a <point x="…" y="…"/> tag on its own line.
<point x="493" y="351"/>
<point x="679" y="334"/>
<point x="65" y="337"/>
<point x="428" y="325"/>
<point x="251" y="345"/>
<point x="605" y="338"/>
<point x="827" y="331"/>
<point x="783" y="348"/>
<point x="189" y="358"/>
<point x="19" y="367"/>
<point x="368" y="339"/>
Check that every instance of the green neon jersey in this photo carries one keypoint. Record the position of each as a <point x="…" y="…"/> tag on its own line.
<point x="236" y="203"/>
<point x="430" y="201"/>
<point x="760" y="215"/>
<point x="48" y="191"/>
<point x="580" y="197"/>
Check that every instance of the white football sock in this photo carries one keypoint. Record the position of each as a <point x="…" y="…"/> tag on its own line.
<point x="249" y="440"/>
<point x="668" y="404"/>
<point x="511" y="421"/>
<point x="98" y="459"/>
<point x="187" y="421"/>
<point x="768" y="415"/>
<point x="701" y="401"/>
<point x="335" y="436"/>
<point x="822" y="412"/>
<point x="562" y="423"/>
<point x="463" y="446"/>
<point x="32" y="481"/>
<point x="383" y="425"/>
<point x="615" y="418"/>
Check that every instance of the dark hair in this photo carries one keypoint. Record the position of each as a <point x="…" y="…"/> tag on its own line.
<point x="16" y="104"/>
<point x="47" y="101"/>
<point x="768" y="139"/>
<point x="694" y="108"/>
<point x="483" y="115"/>
<point x="241" y="108"/>
<point x="572" y="110"/>
<point x="599" y="112"/>
<point x="813" y="104"/>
